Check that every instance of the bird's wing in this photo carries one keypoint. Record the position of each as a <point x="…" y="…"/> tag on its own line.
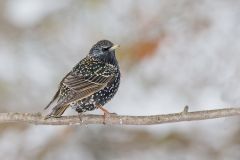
<point x="87" y="83"/>
<point x="56" y="94"/>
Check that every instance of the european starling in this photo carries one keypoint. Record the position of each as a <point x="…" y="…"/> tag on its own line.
<point x="91" y="83"/>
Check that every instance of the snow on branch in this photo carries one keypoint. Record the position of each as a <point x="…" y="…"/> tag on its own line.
<point x="185" y="115"/>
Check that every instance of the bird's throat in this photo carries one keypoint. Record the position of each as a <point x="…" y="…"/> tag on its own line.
<point x="110" y="59"/>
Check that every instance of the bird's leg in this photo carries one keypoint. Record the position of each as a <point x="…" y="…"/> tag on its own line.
<point x="106" y="113"/>
<point x="80" y="117"/>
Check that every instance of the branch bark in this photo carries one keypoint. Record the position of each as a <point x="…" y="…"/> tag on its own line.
<point x="38" y="118"/>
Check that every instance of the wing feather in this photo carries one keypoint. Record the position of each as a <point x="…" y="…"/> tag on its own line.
<point x="84" y="86"/>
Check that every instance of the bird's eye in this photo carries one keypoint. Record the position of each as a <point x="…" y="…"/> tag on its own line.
<point x="105" y="48"/>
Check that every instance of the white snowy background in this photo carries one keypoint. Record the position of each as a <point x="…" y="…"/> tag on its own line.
<point x="173" y="53"/>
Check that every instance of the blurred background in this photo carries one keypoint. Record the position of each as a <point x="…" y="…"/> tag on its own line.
<point x="173" y="53"/>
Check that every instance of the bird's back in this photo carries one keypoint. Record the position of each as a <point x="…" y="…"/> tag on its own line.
<point x="103" y="95"/>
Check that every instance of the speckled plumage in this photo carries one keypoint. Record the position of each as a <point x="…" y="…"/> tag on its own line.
<point x="91" y="83"/>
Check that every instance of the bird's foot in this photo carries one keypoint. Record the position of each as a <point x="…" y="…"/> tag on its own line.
<point x="106" y="113"/>
<point x="80" y="114"/>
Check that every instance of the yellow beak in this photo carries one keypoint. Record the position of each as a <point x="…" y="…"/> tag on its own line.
<point x="114" y="47"/>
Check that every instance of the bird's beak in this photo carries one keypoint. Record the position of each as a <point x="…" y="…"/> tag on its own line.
<point x="114" y="47"/>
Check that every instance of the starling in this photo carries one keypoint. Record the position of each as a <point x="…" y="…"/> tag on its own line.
<point x="91" y="83"/>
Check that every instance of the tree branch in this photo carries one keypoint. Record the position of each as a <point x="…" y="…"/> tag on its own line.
<point x="37" y="118"/>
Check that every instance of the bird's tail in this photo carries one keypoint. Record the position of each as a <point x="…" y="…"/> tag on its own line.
<point x="57" y="111"/>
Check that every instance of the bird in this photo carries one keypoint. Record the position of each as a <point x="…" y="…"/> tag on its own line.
<point x="90" y="84"/>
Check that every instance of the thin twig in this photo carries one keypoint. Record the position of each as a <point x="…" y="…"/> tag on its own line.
<point x="185" y="115"/>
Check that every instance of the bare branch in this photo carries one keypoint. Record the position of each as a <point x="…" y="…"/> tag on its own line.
<point x="185" y="115"/>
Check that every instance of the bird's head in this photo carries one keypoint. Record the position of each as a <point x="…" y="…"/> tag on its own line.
<point x="104" y="50"/>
